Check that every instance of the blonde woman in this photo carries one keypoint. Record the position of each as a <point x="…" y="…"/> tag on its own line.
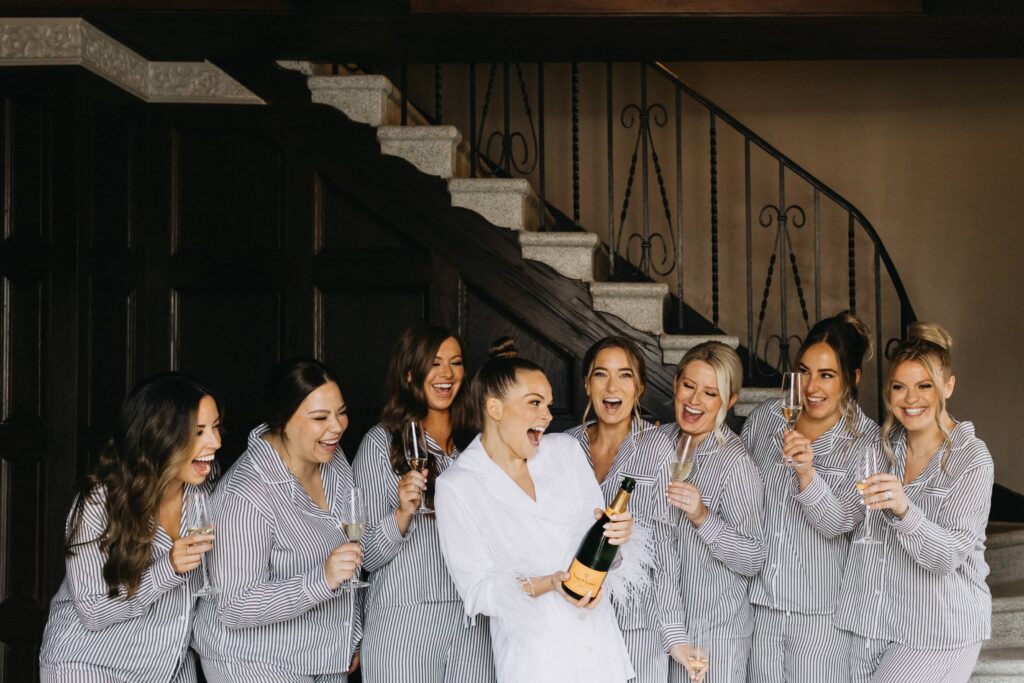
<point x="618" y="442"/>
<point x="917" y="604"/>
<point x="720" y="545"/>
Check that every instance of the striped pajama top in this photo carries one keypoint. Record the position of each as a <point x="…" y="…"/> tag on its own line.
<point x="142" y="639"/>
<point x="718" y="559"/>
<point x="272" y="541"/>
<point x="644" y="456"/>
<point x="405" y="570"/>
<point x="806" y="532"/>
<point x="924" y="586"/>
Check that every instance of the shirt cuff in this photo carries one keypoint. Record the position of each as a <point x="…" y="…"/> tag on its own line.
<point x="812" y="495"/>
<point x="711" y="528"/>
<point x="674" y="634"/>
<point x="389" y="528"/>
<point x="314" y="586"/>
<point x="910" y="522"/>
<point x="164" y="577"/>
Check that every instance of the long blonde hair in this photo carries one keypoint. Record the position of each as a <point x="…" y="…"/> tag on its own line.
<point x="728" y="371"/>
<point x="928" y="344"/>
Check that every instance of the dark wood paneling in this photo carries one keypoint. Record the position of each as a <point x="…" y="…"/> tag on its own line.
<point x="229" y="184"/>
<point x="348" y="225"/>
<point x="668" y="7"/>
<point x="114" y="149"/>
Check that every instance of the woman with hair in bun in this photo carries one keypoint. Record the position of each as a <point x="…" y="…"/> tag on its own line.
<point x="124" y="610"/>
<point x="810" y="508"/>
<point x="720" y="546"/>
<point x="414" y="628"/>
<point x="618" y="442"/>
<point x="916" y="604"/>
<point x="511" y="513"/>
<point x="282" y="614"/>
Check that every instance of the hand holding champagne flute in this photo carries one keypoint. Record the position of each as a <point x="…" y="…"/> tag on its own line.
<point x="353" y="524"/>
<point x="792" y="403"/>
<point x="681" y="466"/>
<point x="199" y="523"/>
<point x="414" y="441"/>
<point x="868" y="467"/>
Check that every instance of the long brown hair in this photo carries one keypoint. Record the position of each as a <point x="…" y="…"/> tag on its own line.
<point x="151" y="439"/>
<point x="636" y="364"/>
<point x="411" y="361"/>
<point x="928" y="344"/>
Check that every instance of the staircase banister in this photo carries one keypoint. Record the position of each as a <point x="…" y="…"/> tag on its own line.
<point x="906" y="309"/>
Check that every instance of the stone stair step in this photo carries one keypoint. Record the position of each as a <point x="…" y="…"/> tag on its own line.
<point x="505" y="202"/>
<point x="675" y="346"/>
<point x="435" y="150"/>
<point x="368" y="99"/>
<point x="639" y="304"/>
<point x="569" y="253"/>
<point x="1002" y="665"/>
<point x="752" y="397"/>
<point x="1007" y="616"/>
<point x="1004" y="552"/>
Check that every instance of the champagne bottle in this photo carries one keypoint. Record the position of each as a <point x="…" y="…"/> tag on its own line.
<point x="595" y="555"/>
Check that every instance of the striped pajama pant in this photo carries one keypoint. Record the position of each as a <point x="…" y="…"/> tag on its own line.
<point x="880" y="661"/>
<point x="428" y="643"/>
<point x="789" y="647"/>
<point x="186" y="673"/>
<point x="727" y="662"/>
<point x="259" y="672"/>
<point x="647" y="653"/>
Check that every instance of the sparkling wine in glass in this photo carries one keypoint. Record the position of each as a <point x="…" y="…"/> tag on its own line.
<point x="869" y="464"/>
<point x="353" y="524"/>
<point x="698" y="659"/>
<point x="792" y="402"/>
<point x="679" y="469"/>
<point x="197" y="511"/>
<point x="414" y="441"/>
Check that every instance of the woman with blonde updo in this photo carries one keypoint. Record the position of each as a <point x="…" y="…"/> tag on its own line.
<point x="917" y="604"/>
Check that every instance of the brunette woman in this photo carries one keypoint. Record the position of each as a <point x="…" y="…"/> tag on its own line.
<point x="720" y="543"/>
<point x="511" y="512"/>
<point x="283" y="614"/>
<point x="124" y="610"/>
<point x="916" y="604"/>
<point x="618" y="442"/>
<point x="810" y="506"/>
<point x="414" y="628"/>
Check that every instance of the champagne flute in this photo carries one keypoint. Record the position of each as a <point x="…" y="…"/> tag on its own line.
<point x="868" y="466"/>
<point x="680" y="467"/>
<point x="792" y="403"/>
<point x="414" y="441"/>
<point x="197" y="511"/>
<point x="698" y="659"/>
<point x="353" y="524"/>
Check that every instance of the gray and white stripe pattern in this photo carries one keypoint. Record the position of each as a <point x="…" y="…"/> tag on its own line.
<point x="659" y="622"/>
<point x="807" y="538"/>
<point x="414" y="630"/>
<point x="718" y="560"/>
<point x="145" y="638"/>
<point x="924" y="587"/>
<point x="276" y="610"/>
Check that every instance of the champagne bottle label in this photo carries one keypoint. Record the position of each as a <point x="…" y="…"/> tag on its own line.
<point x="582" y="579"/>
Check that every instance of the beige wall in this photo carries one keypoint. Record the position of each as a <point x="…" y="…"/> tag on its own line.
<point x="933" y="153"/>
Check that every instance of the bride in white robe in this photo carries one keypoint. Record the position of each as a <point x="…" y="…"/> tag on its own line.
<point x="511" y="513"/>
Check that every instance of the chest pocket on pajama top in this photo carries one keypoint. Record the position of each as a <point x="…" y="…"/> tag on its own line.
<point x="930" y="500"/>
<point x="834" y="476"/>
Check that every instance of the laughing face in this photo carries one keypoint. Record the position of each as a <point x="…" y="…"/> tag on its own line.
<point x="205" y="444"/>
<point x="445" y="376"/>
<point x="522" y="416"/>
<point x="612" y="386"/>
<point x="823" y="383"/>
<point x="914" y="398"/>
<point x="698" y="399"/>
<point x="313" y="432"/>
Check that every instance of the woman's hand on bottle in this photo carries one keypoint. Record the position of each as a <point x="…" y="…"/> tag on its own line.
<point x="620" y="529"/>
<point x="536" y="586"/>
<point x="686" y="497"/>
<point x="341" y="564"/>
<point x="187" y="552"/>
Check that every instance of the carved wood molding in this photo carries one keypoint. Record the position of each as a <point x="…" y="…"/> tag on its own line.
<point x="74" y="41"/>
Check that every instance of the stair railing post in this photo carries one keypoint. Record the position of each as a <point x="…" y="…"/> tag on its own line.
<point x="540" y="144"/>
<point x="473" y="151"/>
<point x="679" y="208"/>
<point x="576" y="145"/>
<point x="611" y="171"/>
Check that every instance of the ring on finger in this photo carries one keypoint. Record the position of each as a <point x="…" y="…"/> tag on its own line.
<point x="888" y="495"/>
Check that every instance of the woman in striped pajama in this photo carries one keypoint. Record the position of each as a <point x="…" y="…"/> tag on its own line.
<point x="124" y="610"/>
<point x="917" y="604"/>
<point x="414" y="628"/>
<point x="620" y="443"/>
<point x="720" y="545"/>
<point x="809" y="508"/>
<point x="282" y="615"/>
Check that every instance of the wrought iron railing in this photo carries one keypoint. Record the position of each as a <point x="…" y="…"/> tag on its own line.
<point x="706" y="171"/>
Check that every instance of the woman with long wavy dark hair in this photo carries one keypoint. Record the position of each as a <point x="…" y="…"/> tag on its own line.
<point x="414" y="628"/>
<point x="124" y="610"/>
